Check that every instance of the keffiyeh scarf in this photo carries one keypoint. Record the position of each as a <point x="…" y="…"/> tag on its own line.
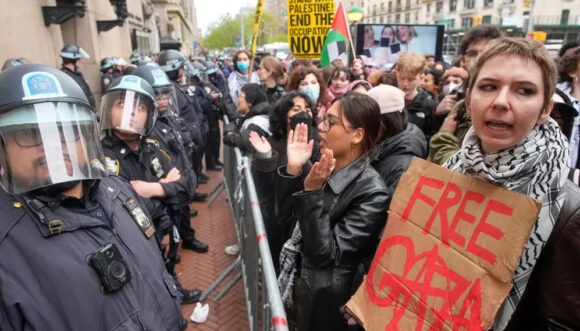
<point x="537" y="167"/>
<point x="289" y="266"/>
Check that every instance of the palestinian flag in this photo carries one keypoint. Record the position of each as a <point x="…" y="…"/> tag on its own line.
<point x="338" y="39"/>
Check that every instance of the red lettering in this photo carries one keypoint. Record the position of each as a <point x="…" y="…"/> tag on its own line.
<point x="402" y="292"/>
<point x="462" y="215"/>
<point x="450" y="197"/>
<point x="418" y="195"/>
<point x="490" y="230"/>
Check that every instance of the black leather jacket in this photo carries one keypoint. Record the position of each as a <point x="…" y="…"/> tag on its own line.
<point x="340" y="224"/>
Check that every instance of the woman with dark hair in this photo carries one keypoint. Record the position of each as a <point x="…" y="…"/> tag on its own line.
<point x="311" y="83"/>
<point x="340" y="209"/>
<point x="239" y="77"/>
<point x="254" y="108"/>
<point x="399" y="140"/>
<point x="339" y="81"/>
<point x="292" y="109"/>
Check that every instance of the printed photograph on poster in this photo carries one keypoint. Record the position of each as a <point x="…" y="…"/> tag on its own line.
<point x="384" y="42"/>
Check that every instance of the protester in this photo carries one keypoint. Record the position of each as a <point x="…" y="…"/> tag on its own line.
<point x="360" y="86"/>
<point x="431" y="82"/>
<point x="76" y="255"/>
<point x="515" y="144"/>
<point x="292" y="109"/>
<point x="310" y="82"/>
<point x="563" y="112"/>
<point x="239" y="77"/>
<point x="357" y="70"/>
<point x="339" y="81"/>
<point x="271" y="74"/>
<point x="254" y="107"/>
<point x="474" y="42"/>
<point x="419" y="105"/>
<point x="340" y="207"/>
<point x="398" y="141"/>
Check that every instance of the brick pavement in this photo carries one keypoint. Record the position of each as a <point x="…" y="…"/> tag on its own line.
<point x="213" y="226"/>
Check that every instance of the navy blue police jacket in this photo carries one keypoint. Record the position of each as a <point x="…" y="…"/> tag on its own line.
<point x="47" y="284"/>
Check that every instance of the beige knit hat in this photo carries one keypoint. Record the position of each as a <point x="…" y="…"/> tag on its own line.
<point x="389" y="98"/>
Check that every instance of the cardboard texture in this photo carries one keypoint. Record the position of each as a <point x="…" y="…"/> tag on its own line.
<point x="447" y="255"/>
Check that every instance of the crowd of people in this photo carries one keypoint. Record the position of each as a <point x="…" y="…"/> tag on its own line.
<point x="328" y="147"/>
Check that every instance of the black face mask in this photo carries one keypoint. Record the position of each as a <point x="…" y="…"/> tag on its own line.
<point x="301" y="117"/>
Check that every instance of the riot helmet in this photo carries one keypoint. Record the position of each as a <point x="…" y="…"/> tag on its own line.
<point x="107" y="63"/>
<point x="48" y="130"/>
<point x="170" y="62"/>
<point x="164" y="89"/>
<point x="73" y="52"/>
<point x="210" y="67"/>
<point x="136" y="58"/>
<point x="128" y="107"/>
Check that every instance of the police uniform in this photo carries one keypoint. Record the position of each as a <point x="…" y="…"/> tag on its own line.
<point x="166" y="138"/>
<point x="148" y="164"/>
<point x="47" y="283"/>
<point x="80" y="79"/>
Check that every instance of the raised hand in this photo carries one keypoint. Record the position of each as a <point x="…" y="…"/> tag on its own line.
<point x="260" y="143"/>
<point x="320" y="171"/>
<point x="298" y="149"/>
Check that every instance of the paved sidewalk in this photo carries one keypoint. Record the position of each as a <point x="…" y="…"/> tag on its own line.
<point x="214" y="226"/>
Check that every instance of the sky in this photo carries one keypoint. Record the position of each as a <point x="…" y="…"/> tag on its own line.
<point x="209" y="11"/>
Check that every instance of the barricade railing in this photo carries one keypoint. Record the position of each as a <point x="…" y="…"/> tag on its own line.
<point x="254" y="264"/>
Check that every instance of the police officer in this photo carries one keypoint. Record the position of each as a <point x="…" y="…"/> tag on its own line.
<point x="128" y="111"/>
<point x="166" y="136"/>
<point x="77" y="250"/>
<point x="136" y="58"/>
<point x="107" y="69"/>
<point x="172" y="63"/>
<point x="71" y="58"/>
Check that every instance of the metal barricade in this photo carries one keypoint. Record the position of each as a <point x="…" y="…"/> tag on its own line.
<point x="263" y="301"/>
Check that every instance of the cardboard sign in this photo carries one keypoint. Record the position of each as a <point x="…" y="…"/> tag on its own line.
<point x="308" y="25"/>
<point x="448" y="253"/>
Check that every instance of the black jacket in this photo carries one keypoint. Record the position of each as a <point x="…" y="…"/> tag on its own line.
<point x="339" y="224"/>
<point x="80" y="79"/>
<point x="421" y="112"/>
<point x="257" y="119"/>
<point x="551" y="300"/>
<point x="275" y="93"/>
<point x="393" y="156"/>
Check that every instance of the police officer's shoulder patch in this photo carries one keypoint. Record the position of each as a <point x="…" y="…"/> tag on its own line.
<point x="152" y="141"/>
<point x="112" y="165"/>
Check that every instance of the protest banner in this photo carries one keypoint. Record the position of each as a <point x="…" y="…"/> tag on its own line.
<point x="448" y="253"/>
<point x="308" y="25"/>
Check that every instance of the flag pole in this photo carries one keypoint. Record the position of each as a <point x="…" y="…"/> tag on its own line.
<point x="349" y="35"/>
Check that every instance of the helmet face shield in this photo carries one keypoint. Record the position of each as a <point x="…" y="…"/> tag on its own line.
<point x="128" y="111"/>
<point x="166" y="100"/>
<point x="48" y="143"/>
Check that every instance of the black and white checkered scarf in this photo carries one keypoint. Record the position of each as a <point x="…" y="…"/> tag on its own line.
<point x="537" y="167"/>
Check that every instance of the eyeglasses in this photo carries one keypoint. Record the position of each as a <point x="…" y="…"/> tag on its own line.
<point x="31" y="137"/>
<point x="328" y="121"/>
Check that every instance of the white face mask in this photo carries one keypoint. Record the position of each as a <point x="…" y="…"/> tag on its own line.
<point x="448" y="88"/>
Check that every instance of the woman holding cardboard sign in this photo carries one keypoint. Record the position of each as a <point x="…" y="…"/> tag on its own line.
<point x="340" y="206"/>
<point x="514" y="143"/>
